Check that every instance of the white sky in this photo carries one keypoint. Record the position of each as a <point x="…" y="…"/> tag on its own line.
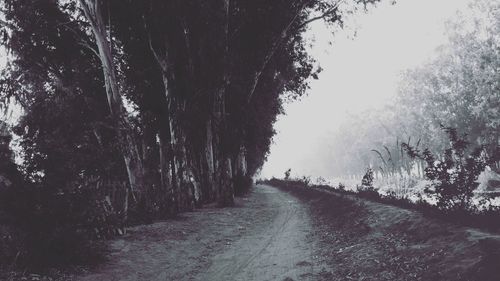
<point x="357" y="73"/>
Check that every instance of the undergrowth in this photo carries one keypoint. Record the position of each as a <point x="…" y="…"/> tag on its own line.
<point x="484" y="219"/>
<point x="339" y="212"/>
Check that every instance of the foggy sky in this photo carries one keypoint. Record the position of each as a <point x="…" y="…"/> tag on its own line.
<point x="358" y="74"/>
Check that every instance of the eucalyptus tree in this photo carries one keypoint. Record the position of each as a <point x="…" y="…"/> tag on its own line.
<point x="65" y="128"/>
<point x="206" y="79"/>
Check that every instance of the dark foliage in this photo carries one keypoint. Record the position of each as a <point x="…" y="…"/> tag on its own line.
<point x="367" y="180"/>
<point x="366" y="188"/>
<point x="486" y="219"/>
<point x="41" y="226"/>
<point x="53" y="229"/>
<point x="287" y="174"/>
<point x="242" y="185"/>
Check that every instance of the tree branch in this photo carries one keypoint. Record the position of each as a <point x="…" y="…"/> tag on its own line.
<point x="159" y="59"/>
<point x="281" y="39"/>
<point x="329" y="12"/>
<point x="272" y="51"/>
<point x="86" y="45"/>
<point x="82" y="43"/>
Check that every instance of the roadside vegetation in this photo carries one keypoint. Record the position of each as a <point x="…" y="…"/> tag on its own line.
<point x="451" y="184"/>
<point x="435" y="146"/>
<point x="449" y="193"/>
<point x="364" y="240"/>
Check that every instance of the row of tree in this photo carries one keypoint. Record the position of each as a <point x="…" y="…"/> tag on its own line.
<point x="177" y="98"/>
<point x="459" y="88"/>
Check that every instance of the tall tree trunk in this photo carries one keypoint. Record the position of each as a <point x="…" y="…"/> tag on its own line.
<point x="166" y="171"/>
<point x="210" y="164"/>
<point x="222" y="163"/>
<point x="186" y="189"/>
<point x="241" y="179"/>
<point x="223" y="160"/>
<point x="131" y="154"/>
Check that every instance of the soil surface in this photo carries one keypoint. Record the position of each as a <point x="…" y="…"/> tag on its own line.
<point x="264" y="237"/>
<point x="300" y="234"/>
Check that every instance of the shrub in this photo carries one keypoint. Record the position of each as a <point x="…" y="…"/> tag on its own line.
<point x="43" y="227"/>
<point x="320" y="181"/>
<point x="367" y="181"/>
<point x="242" y="184"/>
<point x="366" y="189"/>
<point x="55" y="229"/>
<point x="305" y="180"/>
<point x="287" y="174"/>
<point x="453" y="175"/>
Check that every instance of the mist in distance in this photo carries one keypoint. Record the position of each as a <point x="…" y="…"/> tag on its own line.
<point x="362" y="67"/>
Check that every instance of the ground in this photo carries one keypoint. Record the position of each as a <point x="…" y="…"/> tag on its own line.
<point x="300" y="234"/>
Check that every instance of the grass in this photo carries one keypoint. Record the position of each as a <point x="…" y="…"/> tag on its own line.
<point x="485" y="219"/>
<point x="367" y="241"/>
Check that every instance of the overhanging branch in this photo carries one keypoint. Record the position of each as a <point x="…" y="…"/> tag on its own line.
<point x="284" y="34"/>
<point x="277" y="43"/>
<point x="330" y="12"/>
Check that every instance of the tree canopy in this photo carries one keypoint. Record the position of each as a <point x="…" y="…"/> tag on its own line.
<point x="178" y="98"/>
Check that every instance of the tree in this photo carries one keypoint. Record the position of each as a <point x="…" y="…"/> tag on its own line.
<point x="93" y="12"/>
<point x="454" y="177"/>
<point x="458" y="88"/>
<point x="206" y="80"/>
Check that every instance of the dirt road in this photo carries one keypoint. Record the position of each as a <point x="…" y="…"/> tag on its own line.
<point x="275" y="250"/>
<point x="266" y="236"/>
<point x="301" y="234"/>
